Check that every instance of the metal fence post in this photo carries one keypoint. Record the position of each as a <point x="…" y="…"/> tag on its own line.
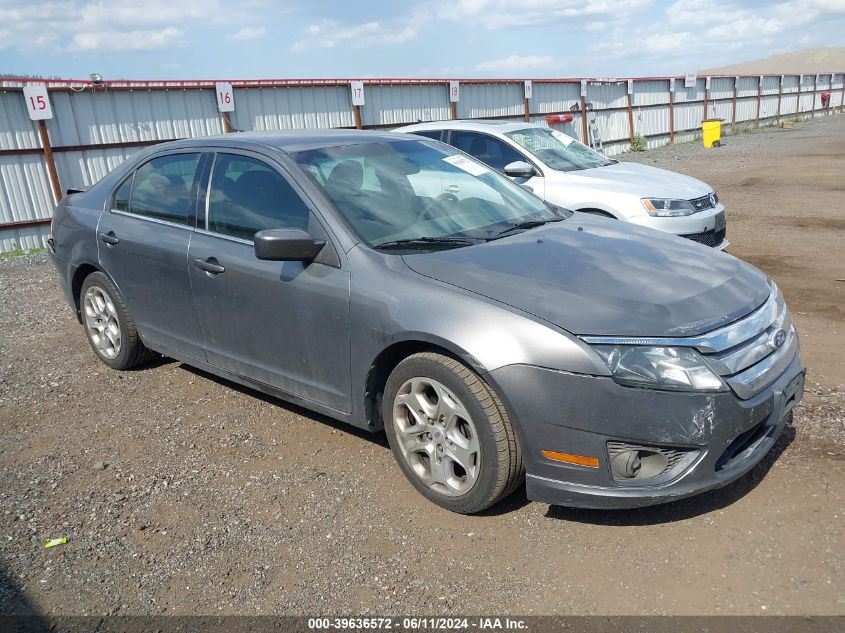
<point x="780" y="95"/>
<point x="671" y="110"/>
<point x="356" y="114"/>
<point x="798" y="97"/>
<point x="813" y="109"/>
<point x="49" y="160"/>
<point x="586" y="140"/>
<point x="630" y="119"/>
<point x="525" y="112"/>
<point x="227" y="123"/>
<point x="733" y="109"/>
<point x="842" y="101"/>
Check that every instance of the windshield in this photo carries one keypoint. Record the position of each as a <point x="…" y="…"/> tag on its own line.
<point x="557" y="150"/>
<point x="419" y="190"/>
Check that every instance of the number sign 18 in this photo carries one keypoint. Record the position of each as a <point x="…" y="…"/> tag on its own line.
<point x="37" y="102"/>
<point x="225" y="97"/>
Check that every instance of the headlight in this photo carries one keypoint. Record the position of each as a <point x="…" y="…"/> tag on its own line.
<point x="665" y="207"/>
<point x="675" y="368"/>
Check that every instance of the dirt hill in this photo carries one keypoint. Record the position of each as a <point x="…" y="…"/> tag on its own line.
<point x="806" y="60"/>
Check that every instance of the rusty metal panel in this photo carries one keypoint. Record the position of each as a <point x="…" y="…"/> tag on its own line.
<point x="25" y="192"/>
<point x="721" y="87"/>
<point x="16" y="129"/>
<point x="651" y="92"/>
<point x="607" y="94"/>
<point x="555" y="97"/>
<point x="770" y="85"/>
<point x="694" y="93"/>
<point x="747" y="86"/>
<point x="87" y="117"/>
<point x="293" y="108"/>
<point x="688" y="116"/>
<point x="479" y="100"/>
<point x="404" y="104"/>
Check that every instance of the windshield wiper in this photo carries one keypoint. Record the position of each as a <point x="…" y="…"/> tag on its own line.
<point x="521" y="226"/>
<point x="427" y="242"/>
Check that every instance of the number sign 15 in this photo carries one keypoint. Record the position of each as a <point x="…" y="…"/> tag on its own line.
<point x="225" y="97"/>
<point x="37" y="102"/>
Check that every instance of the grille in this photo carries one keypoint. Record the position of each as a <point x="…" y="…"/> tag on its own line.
<point x="708" y="238"/>
<point x="704" y="202"/>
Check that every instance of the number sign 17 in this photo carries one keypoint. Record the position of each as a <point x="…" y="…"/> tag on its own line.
<point x="37" y="102"/>
<point x="357" y="89"/>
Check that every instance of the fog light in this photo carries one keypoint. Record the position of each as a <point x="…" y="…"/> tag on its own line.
<point x="633" y="462"/>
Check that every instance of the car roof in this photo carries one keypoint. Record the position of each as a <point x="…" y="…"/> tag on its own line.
<point x="286" y="140"/>
<point x="478" y="125"/>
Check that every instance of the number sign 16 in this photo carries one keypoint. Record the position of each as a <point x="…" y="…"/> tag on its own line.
<point x="37" y="102"/>
<point x="225" y="98"/>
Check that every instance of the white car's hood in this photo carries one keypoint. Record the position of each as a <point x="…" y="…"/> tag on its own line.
<point x="642" y="181"/>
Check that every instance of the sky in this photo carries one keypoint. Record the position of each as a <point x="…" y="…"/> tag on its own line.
<point x="249" y="39"/>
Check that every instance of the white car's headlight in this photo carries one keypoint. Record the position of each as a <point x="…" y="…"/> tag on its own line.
<point x="666" y="207"/>
<point x="675" y="368"/>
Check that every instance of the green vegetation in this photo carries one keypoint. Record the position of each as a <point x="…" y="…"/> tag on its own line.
<point x="17" y="252"/>
<point x="639" y="144"/>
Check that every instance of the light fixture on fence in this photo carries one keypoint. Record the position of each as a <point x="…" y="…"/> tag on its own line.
<point x="96" y="78"/>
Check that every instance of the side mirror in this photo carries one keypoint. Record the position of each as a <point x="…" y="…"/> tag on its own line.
<point x="519" y="169"/>
<point x="286" y="245"/>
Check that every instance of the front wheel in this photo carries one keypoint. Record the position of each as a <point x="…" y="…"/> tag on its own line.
<point x="450" y="434"/>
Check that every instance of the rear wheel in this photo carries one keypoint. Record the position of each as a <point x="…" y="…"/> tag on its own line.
<point x="450" y="434"/>
<point x="108" y="324"/>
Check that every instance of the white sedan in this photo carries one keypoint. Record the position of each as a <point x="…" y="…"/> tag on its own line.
<point x="569" y="174"/>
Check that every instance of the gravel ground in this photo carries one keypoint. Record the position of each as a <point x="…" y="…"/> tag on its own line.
<point x="183" y="494"/>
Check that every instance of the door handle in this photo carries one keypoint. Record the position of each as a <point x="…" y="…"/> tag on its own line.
<point x="109" y="238"/>
<point x="209" y="265"/>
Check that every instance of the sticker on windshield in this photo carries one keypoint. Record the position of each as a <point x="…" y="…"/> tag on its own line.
<point x="563" y="138"/>
<point x="464" y="163"/>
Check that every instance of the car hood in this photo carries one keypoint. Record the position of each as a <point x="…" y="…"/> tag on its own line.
<point x="591" y="275"/>
<point x="642" y="180"/>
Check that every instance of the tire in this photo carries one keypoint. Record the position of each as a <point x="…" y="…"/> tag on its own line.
<point x="458" y="447"/>
<point x="108" y="324"/>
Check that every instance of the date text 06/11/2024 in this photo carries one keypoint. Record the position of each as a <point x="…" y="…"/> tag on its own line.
<point x="415" y="624"/>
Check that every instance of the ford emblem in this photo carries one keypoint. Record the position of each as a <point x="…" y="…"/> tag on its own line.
<point x="777" y="338"/>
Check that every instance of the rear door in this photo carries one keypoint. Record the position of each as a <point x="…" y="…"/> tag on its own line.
<point x="283" y="324"/>
<point x="143" y="244"/>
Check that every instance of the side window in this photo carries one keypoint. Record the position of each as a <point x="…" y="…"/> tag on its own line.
<point x="121" y="196"/>
<point x="485" y="148"/>
<point x="162" y="188"/>
<point x="433" y="134"/>
<point x="248" y="196"/>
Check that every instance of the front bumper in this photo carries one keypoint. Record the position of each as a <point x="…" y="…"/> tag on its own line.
<point x="706" y="227"/>
<point x="576" y="414"/>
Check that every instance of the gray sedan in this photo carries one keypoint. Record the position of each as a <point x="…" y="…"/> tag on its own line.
<point x="395" y="283"/>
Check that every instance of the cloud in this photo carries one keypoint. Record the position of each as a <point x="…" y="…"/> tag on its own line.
<point x="125" y="40"/>
<point x="495" y="14"/>
<point x="331" y="34"/>
<point x="516" y="63"/>
<point x="139" y="25"/>
<point x="249" y="33"/>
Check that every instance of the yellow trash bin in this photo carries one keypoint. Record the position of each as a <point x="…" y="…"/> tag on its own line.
<point x="711" y="132"/>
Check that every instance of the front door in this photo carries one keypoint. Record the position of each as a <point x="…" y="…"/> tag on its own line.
<point x="284" y="324"/>
<point x="143" y="244"/>
<point x="497" y="154"/>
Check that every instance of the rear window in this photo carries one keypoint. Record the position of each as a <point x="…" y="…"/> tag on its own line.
<point x="163" y="188"/>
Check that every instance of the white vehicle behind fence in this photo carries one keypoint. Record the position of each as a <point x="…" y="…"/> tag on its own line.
<point x="567" y="173"/>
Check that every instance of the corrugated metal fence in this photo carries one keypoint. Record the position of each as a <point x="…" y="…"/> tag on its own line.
<point x="94" y="128"/>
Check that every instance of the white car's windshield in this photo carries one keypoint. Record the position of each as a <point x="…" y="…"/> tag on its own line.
<point x="557" y="150"/>
<point x="396" y="191"/>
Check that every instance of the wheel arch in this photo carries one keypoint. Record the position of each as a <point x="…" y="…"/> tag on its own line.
<point x="80" y="274"/>
<point x="607" y="213"/>
<point x="388" y="358"/>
